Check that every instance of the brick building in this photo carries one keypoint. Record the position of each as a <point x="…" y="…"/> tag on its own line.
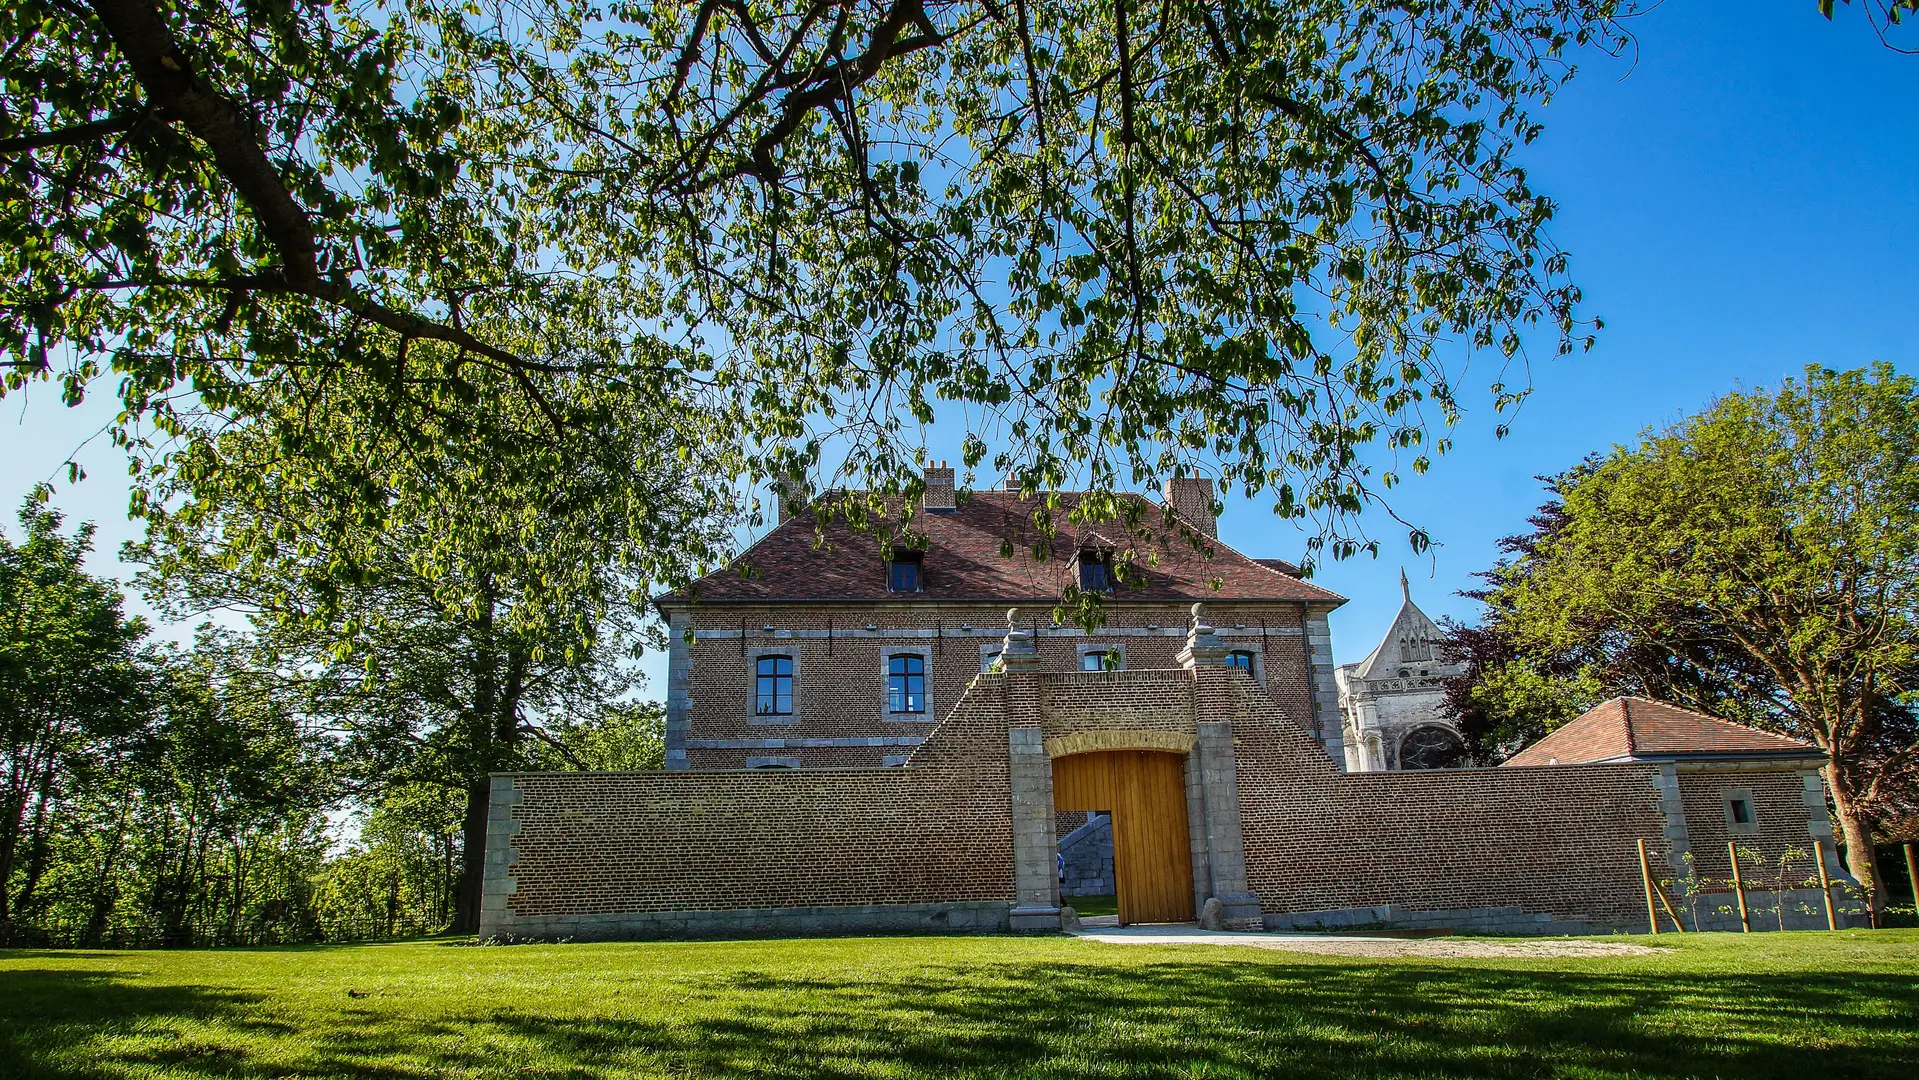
<point x="815" y="649"/>
<point x="865" y="742"/>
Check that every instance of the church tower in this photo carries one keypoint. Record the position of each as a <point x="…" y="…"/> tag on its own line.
<point x="1391" y="704"/>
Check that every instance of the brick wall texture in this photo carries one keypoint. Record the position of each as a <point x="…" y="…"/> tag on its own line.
<point x="599" y="854"/>
<point x="1780" y="819"/>
<point x="839" y="688"/>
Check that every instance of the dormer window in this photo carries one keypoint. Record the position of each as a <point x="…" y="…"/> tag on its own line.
<point x="1095" y="571"/>
<point x="903" y="572"/>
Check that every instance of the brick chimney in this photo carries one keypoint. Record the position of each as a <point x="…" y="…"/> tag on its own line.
<point x="792" y="498"/>
<point x="1191" y="497"/>
<point x="940" y="497"/>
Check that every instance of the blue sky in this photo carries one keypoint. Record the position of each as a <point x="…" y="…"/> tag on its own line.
<point x="1735" y="199"/>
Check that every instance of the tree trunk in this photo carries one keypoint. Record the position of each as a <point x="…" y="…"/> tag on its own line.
<point x="1861" y="859"/>
<point x="466" y="907"/>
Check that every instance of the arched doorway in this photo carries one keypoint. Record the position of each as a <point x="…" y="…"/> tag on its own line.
<point x="1145" y="791"/>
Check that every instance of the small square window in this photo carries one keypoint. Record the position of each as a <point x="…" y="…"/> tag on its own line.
<point x="1099" y="660"/>
<point x="988" y="660"/>
<point x="1741" y="814"/>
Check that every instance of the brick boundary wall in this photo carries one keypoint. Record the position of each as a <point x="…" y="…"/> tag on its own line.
<point x="932" y="845"/>
<point x="1546" y="849"/>
<point x="753" y="853"/>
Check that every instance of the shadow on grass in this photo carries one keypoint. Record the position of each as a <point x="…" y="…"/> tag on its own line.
<point x="1013" y="1019"/>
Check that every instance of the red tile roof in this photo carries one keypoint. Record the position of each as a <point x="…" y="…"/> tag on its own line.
<point x="963" y="561"/>
<point x="1636" y="727"/>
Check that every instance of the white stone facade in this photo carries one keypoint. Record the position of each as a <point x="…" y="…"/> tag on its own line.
<point x="1391" y="704"/>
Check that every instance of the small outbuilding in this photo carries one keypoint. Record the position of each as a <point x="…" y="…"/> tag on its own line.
<point x="1723" y="786"/>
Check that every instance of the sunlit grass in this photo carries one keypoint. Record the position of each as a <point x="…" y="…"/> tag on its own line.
<point x="1806" y="1006"/>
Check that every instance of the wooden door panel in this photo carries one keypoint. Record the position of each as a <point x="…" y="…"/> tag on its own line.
<point x="1145" y="791"/>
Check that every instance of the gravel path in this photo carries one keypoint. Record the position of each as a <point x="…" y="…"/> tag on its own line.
<point x="1341" y="945"/>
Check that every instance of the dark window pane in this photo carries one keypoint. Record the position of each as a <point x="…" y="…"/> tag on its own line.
<point x="1741" y="813"/>
<point x="904" y="576"/>
<point x="906" y="683"/>
<point x="773" y="686"/>
<point x="1095" y="575"/>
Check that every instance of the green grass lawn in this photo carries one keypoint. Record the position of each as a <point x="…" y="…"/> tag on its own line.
<point x="1809" y="1006"/>
<point x="1094" y="905"/>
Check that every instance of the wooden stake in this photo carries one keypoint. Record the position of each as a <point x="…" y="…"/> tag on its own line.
<point x="1645" y="875"/>
<point x="1825" y="884"/>
<point x="1739" y="887"/>
<point x="1912" y="877"/>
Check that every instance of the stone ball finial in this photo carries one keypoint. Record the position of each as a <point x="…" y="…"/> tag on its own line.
<point x="1012" y="618"/>
<point x="1199" y="616"/>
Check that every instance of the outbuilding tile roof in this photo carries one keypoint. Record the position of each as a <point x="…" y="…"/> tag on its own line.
<point x="1636" y="727"/>
<point x="964" y="559"/>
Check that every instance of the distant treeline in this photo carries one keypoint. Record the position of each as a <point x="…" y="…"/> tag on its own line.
<point x="167" y="796"/>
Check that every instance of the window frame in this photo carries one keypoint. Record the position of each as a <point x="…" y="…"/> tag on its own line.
<point x="777" y="761"/>
<point x="925" y="715"/>
<point x="899" y="701"/>
<point x="1113" y="648"/>
<point x="753" y="658"/>
<point x="990" y="654"/>
<point x="1730" y="796"/>
<point x="1102" y="558"/>
<point x="915" y="559"/>
<point x="1255" y="663"/>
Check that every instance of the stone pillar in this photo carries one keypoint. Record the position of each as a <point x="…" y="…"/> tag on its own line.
<point x="1035" y="844"/>
<point x="496" y="880"/>
<point x="679" y="697"/>
<point x="1673" y="808"/>
<point x="1203" y="645"/>
<point x="1819" y="819"/>
<point x="1018" y="651"/>
<point x="1323" y="687"/>
<point x="1225" y="842"/>
<point x="1198" y="840"/>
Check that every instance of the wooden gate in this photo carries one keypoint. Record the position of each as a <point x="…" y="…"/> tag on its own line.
<point x="1145" y="791"/>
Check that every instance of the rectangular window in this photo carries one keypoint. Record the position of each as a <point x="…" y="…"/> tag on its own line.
<point x="903" y="574"/>
<point x="1240" y="660"/>
<point x="906" y="683"/>
<point x="1095" y="572"/>
<point x="1741" y="815"/>
<point x="773" y="686"/>
<point x="1099" y="660"/>
<point x="988" y="660"/>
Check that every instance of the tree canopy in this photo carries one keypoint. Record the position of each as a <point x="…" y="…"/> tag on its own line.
<point x="1112" y="236"/>
<point x="1760" y="561"/>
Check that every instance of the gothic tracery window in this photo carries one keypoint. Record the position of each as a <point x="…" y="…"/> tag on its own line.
<point x="1431" y="748"/>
